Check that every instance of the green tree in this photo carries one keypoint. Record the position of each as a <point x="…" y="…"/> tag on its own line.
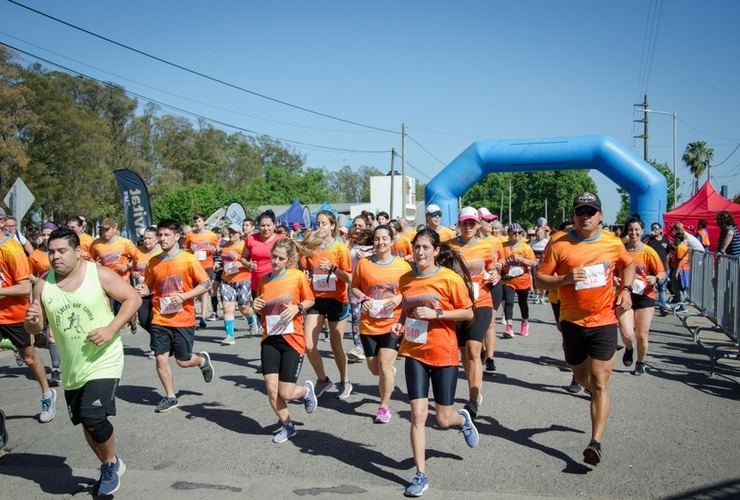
<point x="663" y="168"/>
<point x="697" y="156"/>
<point x="352" y="186"/>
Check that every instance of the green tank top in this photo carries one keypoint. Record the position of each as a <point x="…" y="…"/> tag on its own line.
<point x="71" y="316"/>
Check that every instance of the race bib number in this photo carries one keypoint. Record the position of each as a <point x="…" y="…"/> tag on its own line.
<point x="323" y="283"/>
<point x="638" y="287"/>
<point x="595" y="277"/>
<point x="378" y="312"/>
<point x="278" y="326"/>
<point x="167" y="307"/>
<point x="200" y="254"/>
<point x="515" y="271"/>
<point x="416" y="330"/>
<point x="476" y="290"/>
<point x="231" y="268"/>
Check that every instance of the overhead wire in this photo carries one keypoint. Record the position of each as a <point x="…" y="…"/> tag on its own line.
<point x="200" y="74"/>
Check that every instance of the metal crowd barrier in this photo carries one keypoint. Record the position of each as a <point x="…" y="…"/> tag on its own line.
<point x="714" y="290"/>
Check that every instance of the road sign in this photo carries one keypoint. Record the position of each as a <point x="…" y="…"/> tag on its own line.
<point x="19" y="199"/>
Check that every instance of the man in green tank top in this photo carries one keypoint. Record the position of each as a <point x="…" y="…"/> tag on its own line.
<point x="74" y="298"/>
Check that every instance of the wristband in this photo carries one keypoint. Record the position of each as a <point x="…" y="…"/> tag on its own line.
<point x="628" y="288"/>
<point x="333" y="269"/>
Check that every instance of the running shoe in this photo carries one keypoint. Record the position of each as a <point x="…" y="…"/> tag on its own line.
<point x="639" y="369"/>
<point x="134" y="324"/>
<point x="202" y="323"/>
<point x="48" y="408"/>
<point x="228" y="340"/>
<point x="472" y="408"/>
<point x="150" y="355"/>
<point x="3" y="431"/>
<point x="206" y="368"/>
<point x="525" y="329"/>
<point x="55" y="379"/>
<point x="109" y="481"/>
<point x="356" y="354"/>
<point x="418" y="485"/>
<point x="18" y="358"/>
<point x="508" y="332"/>
<point x="680" y="309"/>
<point x="468" y="429"/>
<point x="663" y="312"/>
<point x="592" y="453"/>
<point x="213" y="317"/>
<point x="627" y="357"/>
<point x="490" y="365"/>
<point x="574" y="387"/>
<point x="287" y="432"/>
<point x="383" y="416"/>
<point x="256" y="329"/>
<point x="309" y="400"/>
<point x="345" y="389"/>
<point x="166" y="405"/>
<point x="321" y="386"/>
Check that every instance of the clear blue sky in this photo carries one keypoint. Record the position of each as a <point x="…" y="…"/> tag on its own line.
<point x="454" y="72"/>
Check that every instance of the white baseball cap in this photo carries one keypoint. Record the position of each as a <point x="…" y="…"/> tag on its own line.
<point x="468" y="213"/>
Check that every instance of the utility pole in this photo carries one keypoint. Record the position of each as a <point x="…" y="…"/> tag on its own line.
<point x="510" y="201"/>
<point x="644" y="135"/>
<point x="393" y="175"/>
<point x="403" y="170"/>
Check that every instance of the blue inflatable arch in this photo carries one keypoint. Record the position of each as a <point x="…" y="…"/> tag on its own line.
<point x="645" y="185"/>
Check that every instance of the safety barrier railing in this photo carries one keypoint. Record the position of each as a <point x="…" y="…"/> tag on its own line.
<point x="714" y="290"/>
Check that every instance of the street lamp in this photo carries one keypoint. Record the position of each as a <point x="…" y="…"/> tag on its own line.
<point x="675" y="179"/>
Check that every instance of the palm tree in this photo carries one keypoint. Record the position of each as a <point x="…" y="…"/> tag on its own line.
<point x="697" y="156"/>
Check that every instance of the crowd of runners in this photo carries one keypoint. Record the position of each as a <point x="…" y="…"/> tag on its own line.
<point x="429" y="294"/>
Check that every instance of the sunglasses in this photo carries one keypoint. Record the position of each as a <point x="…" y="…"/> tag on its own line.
<point x="517" y="232"/>
<point x="590" y="211"/>
<point x="435" y="214"/>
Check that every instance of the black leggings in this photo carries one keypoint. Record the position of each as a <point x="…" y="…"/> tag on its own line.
<point x="146" y="313"/>
<point x="522" y="295"/>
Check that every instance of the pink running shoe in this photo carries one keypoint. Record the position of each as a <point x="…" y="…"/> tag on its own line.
<point x="525" y="329"/>
<point x="508" y="332"/>
<point x="383" y="416"/>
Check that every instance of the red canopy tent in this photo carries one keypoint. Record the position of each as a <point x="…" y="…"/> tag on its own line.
<point x="703" y="205"/>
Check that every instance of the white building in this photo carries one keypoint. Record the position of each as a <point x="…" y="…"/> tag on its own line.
<point x="381" y="187"/>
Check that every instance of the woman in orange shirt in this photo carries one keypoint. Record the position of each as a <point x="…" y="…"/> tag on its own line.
<point x="282" y="296"/>
<point x="435" y="298"/>
<point x="680" y="268"/>
<point x="330" y="270"/>
<point x="517" y="278"/>
<point x="375" y="286"/>
<point x="649" y="270"/>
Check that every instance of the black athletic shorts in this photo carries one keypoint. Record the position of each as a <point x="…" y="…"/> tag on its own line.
<point x="372" y="344"/>
<point x="331" y="309"/>
<point x="642" y="301"/>
<point x="280" y="357"/>
<point x="579" y="342"/>
<point x="474" y="330"/>
<point x="443" y="378"/>
<point x="95" y="400"/>
<point x="18" y="335"/>
<point x="177" y="341"/>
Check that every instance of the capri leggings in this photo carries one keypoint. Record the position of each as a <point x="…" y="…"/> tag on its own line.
<point x="522" y="295"/>
<point x="443" y="378"/>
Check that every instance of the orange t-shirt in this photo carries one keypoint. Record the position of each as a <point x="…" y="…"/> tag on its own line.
<point x="445" y="233"/>
<point x="113" y="253"/>
<point x="327" y="286"/>
<point x="478" y="257"/>
<point x="647" y="262"/>
<point x="233" y="270"/>
<point x="401" y="247"/>
<point x="39" y="263"/>
<point x="203" y="244"/>
<point x="167" y="276"/>
<point x="85" y="241"/>
<point x="409" y="234"/>
<point x="521" y="278"/>
<point x="442" y="289"/>
<point x="14" y="268"/>
<point x="142" y="258"/>
<point x="592" y="305"/>
<point x="289" y="288"/>
<point x="681" y="250"/>
<point x="379" y="281"/>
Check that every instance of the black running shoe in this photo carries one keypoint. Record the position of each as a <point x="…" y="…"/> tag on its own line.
<point x="592" y="453"/>
<point x="574" y="387"/>
<point x="472" y="407"/>
<point x="627" y="357"/>
<point x="490" y="365"/>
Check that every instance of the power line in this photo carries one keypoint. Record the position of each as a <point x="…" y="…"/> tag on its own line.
<point x="202" y="75"/>
<point x="425" y="149"/>
<point x="191" y="113"/>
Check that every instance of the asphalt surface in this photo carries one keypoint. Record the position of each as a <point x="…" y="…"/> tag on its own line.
<point x="673" y="433"/>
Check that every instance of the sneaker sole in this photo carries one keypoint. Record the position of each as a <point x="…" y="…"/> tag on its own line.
<point x="591" y="456"/>
<point x="228" y="342"/>
<point x="415" y="495"/>
<point x="276" y="441"/>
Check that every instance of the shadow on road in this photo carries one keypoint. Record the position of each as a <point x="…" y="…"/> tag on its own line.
<point x="50" y="472"/>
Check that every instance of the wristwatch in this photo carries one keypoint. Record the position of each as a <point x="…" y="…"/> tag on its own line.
<point x="439" y="313"/>
<point x="300" y="307"/>
<point x="628" y="288"/>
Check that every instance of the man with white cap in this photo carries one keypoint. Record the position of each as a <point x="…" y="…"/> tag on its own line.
<point x="434" y="222"/>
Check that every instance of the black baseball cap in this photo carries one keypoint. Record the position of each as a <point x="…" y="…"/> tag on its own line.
<point x="587" y="199"/>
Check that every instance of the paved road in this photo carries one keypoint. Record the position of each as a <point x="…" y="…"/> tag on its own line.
<point x="673" y="433"/>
